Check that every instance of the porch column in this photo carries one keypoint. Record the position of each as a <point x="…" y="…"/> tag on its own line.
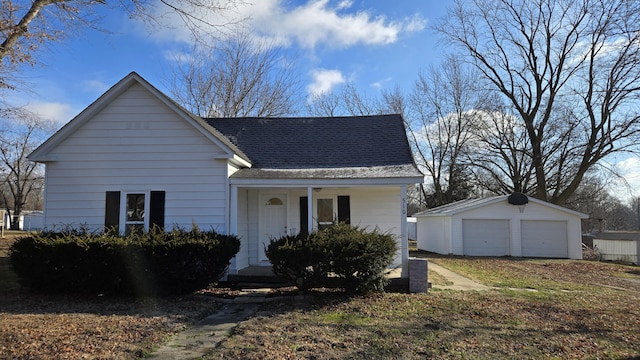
<point x="310" y="208"/>
<point x="404" y="236"/>
<point x="233" y="222"/>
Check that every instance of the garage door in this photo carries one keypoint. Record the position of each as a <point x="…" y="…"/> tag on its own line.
<point x="485" y="237"/>
<point x="544" y="238"/>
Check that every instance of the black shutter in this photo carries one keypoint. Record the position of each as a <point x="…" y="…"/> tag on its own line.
<point x="344" y="210"/>
<point x="112" y="212"/>
<point x="304" y="214"/>
<point x="156" y="216"/>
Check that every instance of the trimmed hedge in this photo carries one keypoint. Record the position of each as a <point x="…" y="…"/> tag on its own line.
<point x="299" y="259"/>
<point x="153" y="263"/>
<point x="342" y="255"/>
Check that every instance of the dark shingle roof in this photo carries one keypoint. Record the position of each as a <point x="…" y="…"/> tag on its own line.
<point x="315" y="143"/>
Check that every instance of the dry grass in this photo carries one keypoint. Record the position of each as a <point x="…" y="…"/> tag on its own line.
<point x="566" y="313"/>
<point x="573" y="309"/>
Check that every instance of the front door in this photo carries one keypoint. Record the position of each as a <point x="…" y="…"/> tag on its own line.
<point x="273" y="220"/>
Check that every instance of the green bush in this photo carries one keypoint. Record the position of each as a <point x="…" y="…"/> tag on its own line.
<point x="152" y="263"/>
<point x="299" y="260"/>
<point x="359" y="258"/>
<point x="341" y="256"/>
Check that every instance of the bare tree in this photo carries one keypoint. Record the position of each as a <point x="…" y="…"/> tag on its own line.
<point x="394" y="102"/>
<point x="498" y="153"/>
<point x="25" y="26"/>
<point x="442" y="110"/>
<point x="324" y="104"/>
<point x="238" y="78"/>
<point x="347" y="100"/>
<point x="569" y="69"/>
<point x="634" y="203"/>
<point x="21" y="133"/>
<point x="358" y="103"/>
<point x="606" y="212"/>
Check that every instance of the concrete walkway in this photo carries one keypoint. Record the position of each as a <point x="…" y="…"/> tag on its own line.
<point x="206" y="335"/>
<point x="458" y="281"/>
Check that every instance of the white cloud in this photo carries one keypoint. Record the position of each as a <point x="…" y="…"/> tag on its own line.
<point x="324" y="80"/>
<point x="95" y="86"/>
<point x="313" y="23"/>
<point x="178" y="56"/>
<point x="380" y="83"/>
<point x="55" y="111"/>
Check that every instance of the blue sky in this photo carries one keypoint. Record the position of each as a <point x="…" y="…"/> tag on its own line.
<point x="374" y="44"/>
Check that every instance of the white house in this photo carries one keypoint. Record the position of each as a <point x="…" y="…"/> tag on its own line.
<point x="496" y="226"/>
<point x="136" y="159"/>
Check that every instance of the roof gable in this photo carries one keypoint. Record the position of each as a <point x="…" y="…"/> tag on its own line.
<point x="317" y="143"/>
<point x="471" y="204"/>
<point x="43" y="151"/>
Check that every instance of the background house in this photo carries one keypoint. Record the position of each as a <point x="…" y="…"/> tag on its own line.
<point x="495" y="227"/>
<point x="135" y="159"/>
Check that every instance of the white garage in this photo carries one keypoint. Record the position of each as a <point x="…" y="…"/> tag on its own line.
<point x="507" y="225"/>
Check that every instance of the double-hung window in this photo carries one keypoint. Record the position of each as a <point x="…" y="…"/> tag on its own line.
<point x="325" y="213"/>
<point x="327" y="210"/>
<point x="134" y="221"/>
<point x="134" y="211"/>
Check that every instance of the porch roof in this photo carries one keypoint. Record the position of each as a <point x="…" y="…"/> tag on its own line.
<point x="386" y="172"/>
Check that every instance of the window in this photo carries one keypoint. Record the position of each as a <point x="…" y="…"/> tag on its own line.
<point x="134" y="211"/>
<point x="325" y="213"/>
<point x="274" y="201"/>
<point x="135" y="214"/>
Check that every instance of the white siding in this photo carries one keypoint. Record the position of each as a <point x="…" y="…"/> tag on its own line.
<point x="618" y="250"/>
<point x="136" y="143"/>
<point x="412" y="228"/>
<point x="434" y="234"/>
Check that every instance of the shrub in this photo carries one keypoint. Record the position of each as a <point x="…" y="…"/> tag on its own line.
<point x="342" y="256"/>
<point x="359" y="258"/>
<point x="298" y="260"/>
<point x="157" y="262"/>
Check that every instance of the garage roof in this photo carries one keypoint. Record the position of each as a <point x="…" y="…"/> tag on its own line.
<point x="470" y="204"/>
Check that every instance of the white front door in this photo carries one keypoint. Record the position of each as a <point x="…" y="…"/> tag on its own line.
<point x="273" y="220"/>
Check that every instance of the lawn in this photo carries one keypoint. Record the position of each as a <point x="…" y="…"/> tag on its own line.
<point x="541" y="309"/>
<point x="558" y="309"/>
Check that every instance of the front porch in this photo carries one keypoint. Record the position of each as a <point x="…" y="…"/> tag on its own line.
<point x="261" y="213"/>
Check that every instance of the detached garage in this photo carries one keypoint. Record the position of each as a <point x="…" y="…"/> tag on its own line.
<point x="507" y="225"/>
